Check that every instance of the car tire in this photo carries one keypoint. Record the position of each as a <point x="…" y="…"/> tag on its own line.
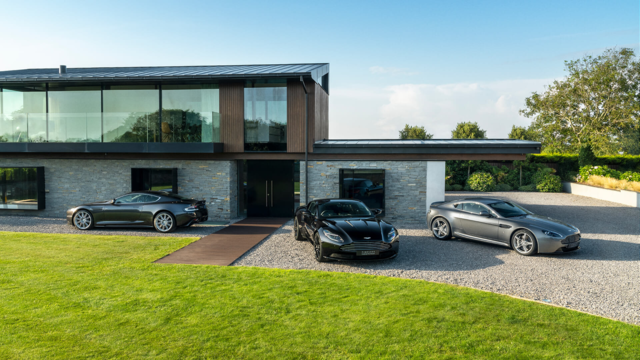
<point x="443" y="225"/>
<point x="317" y="248"/>
<point x="83" y="220"/>
<point x="524" y="243"/>
<point x="164" y="222"/>
<point x="297" y="234"/>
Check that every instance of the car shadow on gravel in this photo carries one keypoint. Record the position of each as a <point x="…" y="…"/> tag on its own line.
<point x="602" y="250"/>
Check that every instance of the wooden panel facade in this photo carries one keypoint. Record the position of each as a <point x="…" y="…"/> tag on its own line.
<point x="321" y="113"/>
<point x="232" y="116"/>
<point x="295" y="116"/>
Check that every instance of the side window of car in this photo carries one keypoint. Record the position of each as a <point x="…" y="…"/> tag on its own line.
<point x="473" y="208"/>
<point x="312" y="208"/>
<point x="148" y="198"/>
<point x="127" y="199"/>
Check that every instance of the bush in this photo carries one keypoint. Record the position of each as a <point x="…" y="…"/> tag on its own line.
<point x="604" y="170"/>
<point x="447" y="187"/>
<point x="550" y="183"/>
<point x="457" y="187"/>
<point x="586" y="156"/>
<point x="540" y="175"/>
<point x="503" y="187"/>
<point x="527" y="188"/>
<point x="467" y="188"/>
<point x="481" y="181"/>
<point x="630" y="176"/>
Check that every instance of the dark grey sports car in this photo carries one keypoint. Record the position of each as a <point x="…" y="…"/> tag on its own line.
<point x="163" y="210"/>
<point x="341" y="229"/>
<point x="503" y="223"/>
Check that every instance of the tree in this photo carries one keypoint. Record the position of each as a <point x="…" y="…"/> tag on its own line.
<point x="414" y="132"/>
<point x="522" y="133"/>
<point x="597" y="103"/>
<point x="468" y="130"/>
<point x="586" y="156"/>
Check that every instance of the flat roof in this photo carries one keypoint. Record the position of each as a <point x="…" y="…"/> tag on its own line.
<point x="315" y="71"/>
<point x="431" y="146"/>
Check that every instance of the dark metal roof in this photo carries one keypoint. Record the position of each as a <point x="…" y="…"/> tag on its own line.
<point x="433" y="146"/>
<point x="315" y="71"/>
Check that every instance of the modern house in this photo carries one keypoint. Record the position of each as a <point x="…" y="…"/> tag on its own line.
<point x="236" y="136"/>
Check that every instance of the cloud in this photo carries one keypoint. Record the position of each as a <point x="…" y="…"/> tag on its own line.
<point x="381" y="113"/>
<point x="390" y="71"/>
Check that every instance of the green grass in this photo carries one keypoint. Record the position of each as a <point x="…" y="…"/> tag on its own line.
<point x="86" y="296"/>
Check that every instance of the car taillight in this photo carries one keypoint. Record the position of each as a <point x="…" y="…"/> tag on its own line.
<point x="191" y="209"/>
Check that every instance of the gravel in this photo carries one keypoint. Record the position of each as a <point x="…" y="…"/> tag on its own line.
<point x="60" y="226"/>
<point x="601" y="278"/>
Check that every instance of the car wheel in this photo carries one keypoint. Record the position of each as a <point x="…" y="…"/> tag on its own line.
<point x="296" y="230"/>
<point x="317" y="247"/>
<point x="83" y="220"/>
<point x="164" y="222"/>
<point x="524" y="243"/>
<point x="441" y="228"/>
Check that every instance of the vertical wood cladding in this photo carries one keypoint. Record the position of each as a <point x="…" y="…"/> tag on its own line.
<point x="232" y="116"/>
<point x="318" y="110"/>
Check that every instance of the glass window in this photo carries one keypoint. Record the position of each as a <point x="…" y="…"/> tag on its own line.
<point x="312" y="208"/>
<point x="364" y="185"/>
<point x="23" y="115"/>
<point x="333" y="209"/>
<point x="22" y="188"/>
<point x="507" y="209"/>
<point x="154" y="180"/>
<point x="148" y="198"/>
<point x="265" y="117"/>
<point x="190" y="113"/>
<point x="75" y="114"/>
<point x="131" y="113"/>
<point x="127" y="199"/>
<point x="473" y="208"/>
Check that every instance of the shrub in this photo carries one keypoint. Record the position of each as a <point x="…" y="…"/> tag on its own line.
<point x="586" y="156"/>
<point x="447" y="187"/>
<point x="482" y="181"/>
<point x="630" y="176"/>
<point x="503" y="187"/>
<point x="550" y="183"/>
<point x="467" y="187"/>
<point x="540" y="175"/>
<point x="529" y="188"/>
<point x="457" y="187"/>
<point x="604" y="170"/>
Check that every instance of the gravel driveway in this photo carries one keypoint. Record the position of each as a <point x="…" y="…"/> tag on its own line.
<point x="60" y="226"/>
<point x="603" y="277"/>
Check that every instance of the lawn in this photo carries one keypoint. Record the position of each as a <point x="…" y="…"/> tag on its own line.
<point x="87" y="296"/>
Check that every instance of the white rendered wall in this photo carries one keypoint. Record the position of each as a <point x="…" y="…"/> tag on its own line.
<point x="435" y="181"/>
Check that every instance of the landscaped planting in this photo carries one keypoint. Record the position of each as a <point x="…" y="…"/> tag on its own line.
<point x="607" y="178"/>
<point x="84" y="296"/>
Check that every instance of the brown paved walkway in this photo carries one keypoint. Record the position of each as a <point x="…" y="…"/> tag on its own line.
<point x="225" y="246"/>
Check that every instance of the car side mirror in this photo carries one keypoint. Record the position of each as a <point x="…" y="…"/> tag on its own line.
<point x="485" y="213"/>
<point x="112" y="201"/>
<point x="376" y="212"/>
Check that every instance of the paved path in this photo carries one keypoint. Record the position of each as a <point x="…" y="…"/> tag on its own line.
<point x="225" y="246"/>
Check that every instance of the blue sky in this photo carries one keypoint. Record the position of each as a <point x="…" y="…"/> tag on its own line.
<point x="430" y="63"/>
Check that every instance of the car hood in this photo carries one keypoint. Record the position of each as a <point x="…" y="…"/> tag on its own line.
<point x="359" y="228"/>
<point x="546" y="223"/>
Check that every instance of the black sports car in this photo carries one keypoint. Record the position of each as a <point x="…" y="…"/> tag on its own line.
<point x="345" y="230"/>
<point x="163" y="210"/>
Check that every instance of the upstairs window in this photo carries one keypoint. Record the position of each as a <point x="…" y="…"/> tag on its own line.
<point x="265" y="116"/>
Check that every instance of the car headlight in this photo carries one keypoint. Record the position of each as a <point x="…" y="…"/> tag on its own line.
<point x="393" y="234"/>
<point x="332" y="236"/>
<point x="551" y="233"/>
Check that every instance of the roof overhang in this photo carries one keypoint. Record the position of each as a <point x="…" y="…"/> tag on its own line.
<point x="440" y="147"/>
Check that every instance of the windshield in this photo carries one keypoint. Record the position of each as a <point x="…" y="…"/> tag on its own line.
<point x="336" y="209"/>
<point x="507" y="209"/>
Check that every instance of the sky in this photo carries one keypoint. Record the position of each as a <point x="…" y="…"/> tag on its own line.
<point x="426" y="63"/>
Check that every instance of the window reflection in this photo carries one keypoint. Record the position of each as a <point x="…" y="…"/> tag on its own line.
<point x="75" y="114"/>
<point x="131" y="113"/>
<point x="364" y="185"/>
<point x="19" y="187"/>
<point x="23" y="114"/>
<point x="265" y="114"/>
<point x="190" y="113"/>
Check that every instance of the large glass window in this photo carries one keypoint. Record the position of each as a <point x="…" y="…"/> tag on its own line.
<point x="265" y="117"/>
<point x="366" y="185"/>
<point x="131" y="113"/>
<point x="154" y="180"/>
<point x="23" y="115"/>
<point x="75" y="114"/>
<point x="22" y="188"/>
<point x="190" y="113"/>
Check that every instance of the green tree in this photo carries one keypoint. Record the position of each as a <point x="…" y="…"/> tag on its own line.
<point x="468" y="130"/>
<point x="597" y="103"/>
<point x="586" y="156"/>
<point x="414" y="132"/>
<point x="522" y="133"/>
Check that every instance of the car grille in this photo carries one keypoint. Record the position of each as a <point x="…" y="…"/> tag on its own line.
<point x="366" y="245"/>
<point x="571" y="239"/>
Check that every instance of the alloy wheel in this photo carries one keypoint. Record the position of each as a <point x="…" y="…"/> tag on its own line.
<point x="523" y="243"/>
<point x="440" y="228"/>
<point x="164" y="222"/>
<point x="82" y="220"/>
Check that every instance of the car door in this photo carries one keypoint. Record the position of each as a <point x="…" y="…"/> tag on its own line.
<point x="308" y="219"/>
<point x="124" y="210"/>
<point x="475" y="224"/>
<point x="147" y="206"/>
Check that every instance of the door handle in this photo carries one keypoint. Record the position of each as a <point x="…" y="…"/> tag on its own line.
<point x="271" y="193"/>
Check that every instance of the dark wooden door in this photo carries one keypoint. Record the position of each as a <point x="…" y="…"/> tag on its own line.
<point x="270" y="188"/>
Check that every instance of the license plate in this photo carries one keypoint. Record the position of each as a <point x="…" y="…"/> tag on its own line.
<point x="367" y="252"/>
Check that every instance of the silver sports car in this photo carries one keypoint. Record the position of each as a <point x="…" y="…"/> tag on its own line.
<point x="503" y="223"/>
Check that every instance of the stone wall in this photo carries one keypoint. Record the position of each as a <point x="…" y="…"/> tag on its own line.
<point x="71" y="182"/>
<point x="405" y="185"/>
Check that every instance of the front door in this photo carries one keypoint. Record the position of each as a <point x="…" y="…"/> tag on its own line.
<point x="270" y="188"/>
